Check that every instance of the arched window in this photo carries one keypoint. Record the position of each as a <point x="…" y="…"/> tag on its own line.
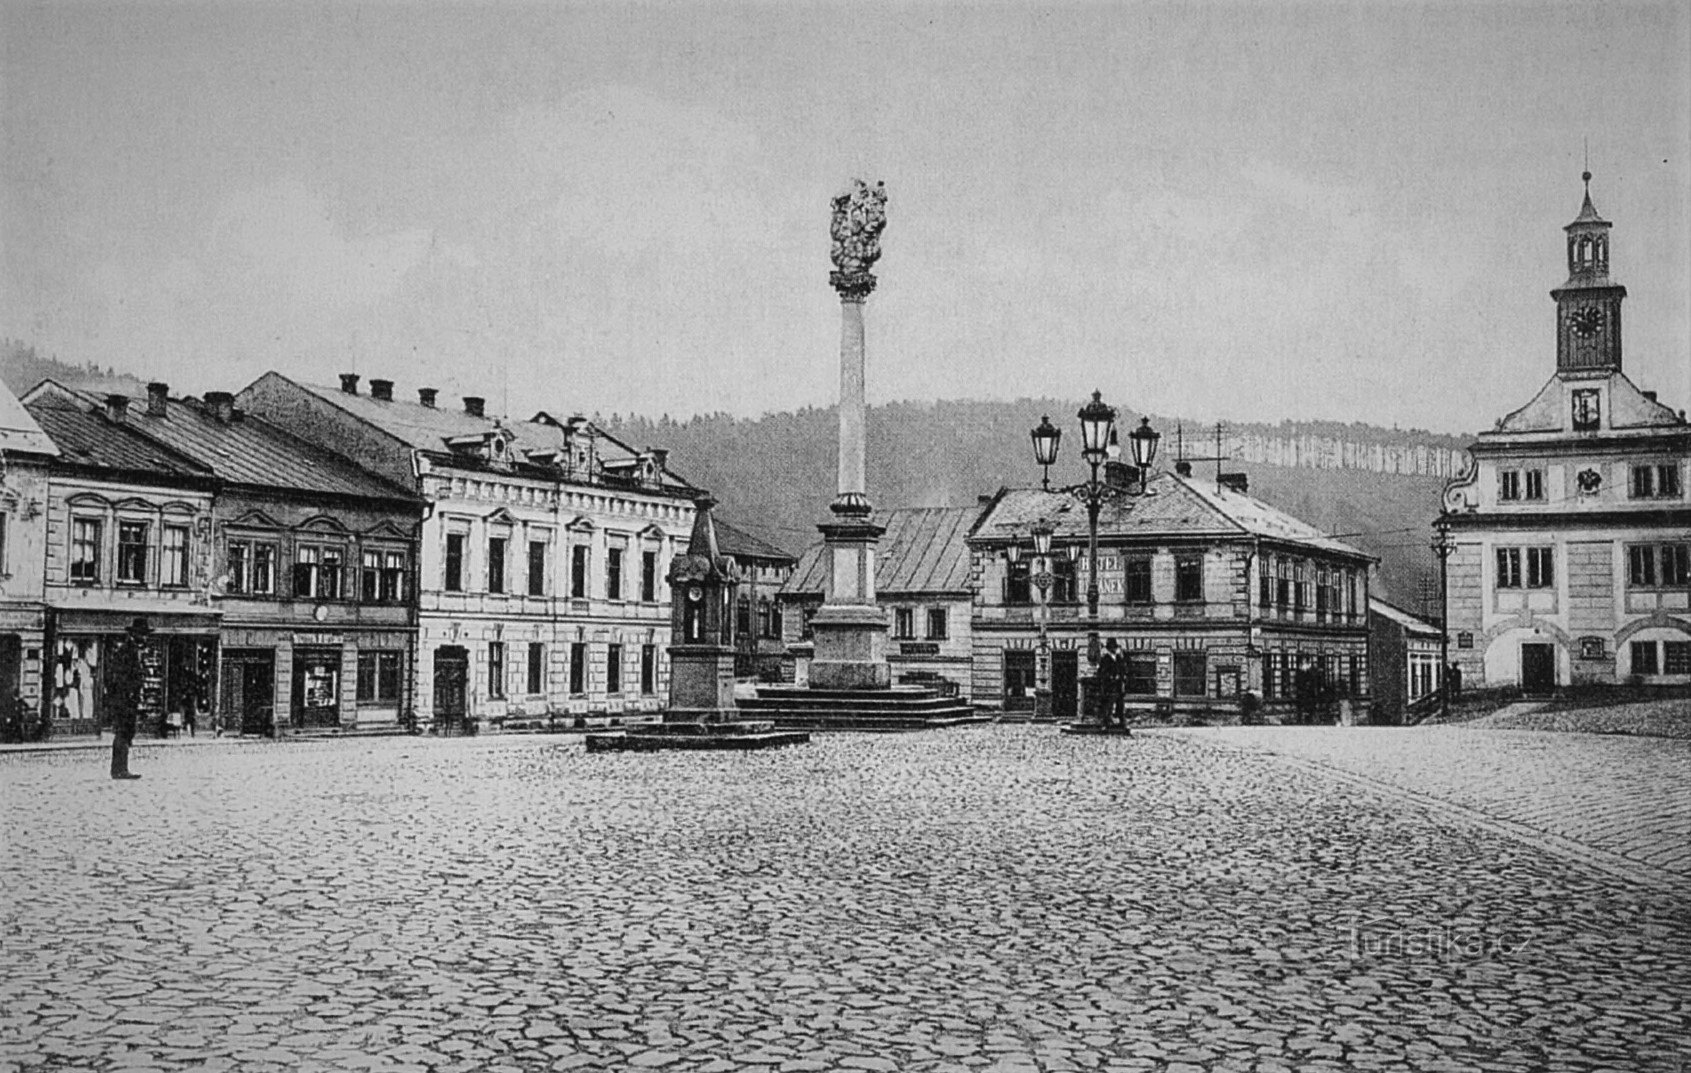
<point x="1584" y="252"/>
<point x="1602" y="252"/>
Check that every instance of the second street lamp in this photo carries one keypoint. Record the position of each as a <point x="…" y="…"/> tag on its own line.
<point x="1041" y="579"/>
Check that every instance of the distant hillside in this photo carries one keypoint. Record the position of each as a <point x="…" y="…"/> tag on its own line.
<point x="776" y="474"/>
<point x="22" y="367"/>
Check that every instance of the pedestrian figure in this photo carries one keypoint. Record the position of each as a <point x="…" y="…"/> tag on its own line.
<point x="123" y="677"/>
<point x="1110" y="708"/>
<point x="1307" y="690"/>
<point x="1454" y="677"/>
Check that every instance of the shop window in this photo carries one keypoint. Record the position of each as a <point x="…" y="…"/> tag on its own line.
<point x="496" y="564"/>
<point x="173" y="569"/>
<point x="536" y="668"/>
<point x="613" y="669"/>
<point x="537" y="568"/>
<point x="378" y="677"/>
<point x="649" y="576"/>
<point x="613" y="574"/>
<point x="648" y="669"/>
<point x="903" y="623"/>
<point x="455" y="562"/>
<point x="938" y="622"/>
<point x="496" y="669"/>
<point x="578" y="668"/>
<point x="132" y="552"/>
<point x="1139" y="675"/>
<point x="1189" y="578"/>
<point x="1644" y="658"/>
<point x="1190" y="679"/>
<point x="578" y="571"/>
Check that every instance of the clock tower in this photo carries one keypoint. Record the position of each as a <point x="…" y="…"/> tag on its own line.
<point x="1588" y="305"/>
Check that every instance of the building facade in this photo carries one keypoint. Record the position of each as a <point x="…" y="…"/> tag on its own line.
<point x="1210" y="593"/>
<point x="541" y="558"/>
<point x="1403" y="659"/>
<point x="924" y="583"/>
<point x="128" y="535"/>
<point x="1572" y="528"/>
<point x="26" y="455"/>
<point x="758" y="614"/>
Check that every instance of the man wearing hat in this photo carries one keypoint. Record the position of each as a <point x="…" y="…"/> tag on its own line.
<point x="123" y="693"/>
<point x="1110" y="687"/>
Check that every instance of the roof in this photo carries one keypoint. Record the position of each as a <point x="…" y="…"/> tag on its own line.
<point x="1173" y="506"/>
<point x="431" y="428"/>
<point x="18" y="430"/>
<point x="251" y="451"/>
<point x="1412" y="623"/>
<point x="924" y="549"/>
<point x="90" y="438"/>
<point x="1549" y="410"/>
<point x="735" y="541"/>
<point x="1588" y="211"/>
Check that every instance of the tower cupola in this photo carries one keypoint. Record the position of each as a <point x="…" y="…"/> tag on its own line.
<point x="1588" y="305"/>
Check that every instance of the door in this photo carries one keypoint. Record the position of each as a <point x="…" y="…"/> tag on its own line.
<point x="317" y="687"/>
<point x="1018" y="680"/>
<point x="451" y="675"/>
<point x="1538" y="668"/>
<point x="249" y="692"/>
<point x="1065" y="684"/>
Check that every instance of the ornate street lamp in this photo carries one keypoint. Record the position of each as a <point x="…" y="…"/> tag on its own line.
<point x="1042" y="531"/>
<point x="1442" y="546"/>
<point x="1098" y="438"/>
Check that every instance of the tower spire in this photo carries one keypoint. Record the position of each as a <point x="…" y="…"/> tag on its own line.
<point x="1588" y="305"/>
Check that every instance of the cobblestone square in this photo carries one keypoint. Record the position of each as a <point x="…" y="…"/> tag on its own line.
<point x="1002" y="898"/>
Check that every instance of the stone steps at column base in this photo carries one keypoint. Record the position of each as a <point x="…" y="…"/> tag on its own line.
<point x="895" y="709"/>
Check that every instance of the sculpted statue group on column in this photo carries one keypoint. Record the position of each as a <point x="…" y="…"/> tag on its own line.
<point x="859" y="217"/>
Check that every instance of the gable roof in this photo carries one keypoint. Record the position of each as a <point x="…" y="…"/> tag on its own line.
<point x="249" y="450"/>
<point x="1173" y="506"/>
<point x="18" y="430"/>
<point x="742" y="545"/>
<point x="924" y="549"/>
<point x="1411" y="623"/>
<point x="1548" y="411"/>
<point x="90" y="438"/>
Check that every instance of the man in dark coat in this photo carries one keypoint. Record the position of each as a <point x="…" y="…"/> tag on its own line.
<point x="1110" y="672"/>
<point x="123" y="694"/>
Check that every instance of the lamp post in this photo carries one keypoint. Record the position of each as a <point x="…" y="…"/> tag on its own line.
<point x="1442" y="546"/>
<point x="1041" y="579"/>
<point x="1099" y="444"/>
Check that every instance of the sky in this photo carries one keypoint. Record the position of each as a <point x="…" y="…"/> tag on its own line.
<point x="1249" y="212"/>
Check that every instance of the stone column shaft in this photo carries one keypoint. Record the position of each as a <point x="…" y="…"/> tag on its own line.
<point x="852" y="408"/>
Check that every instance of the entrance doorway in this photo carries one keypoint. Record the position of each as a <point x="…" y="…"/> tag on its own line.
<point x="1065" y="684"/>
<point x="451" y="676"/>
<point x="317" y="688"/>
<point x="1538" y="668"/>
<point x="1018" y="679"/>
<point x="249" y="690"/>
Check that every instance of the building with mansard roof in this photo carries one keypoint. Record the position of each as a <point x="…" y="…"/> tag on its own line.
<point x="542" y="556"/>
<point x="1571" y="527"/>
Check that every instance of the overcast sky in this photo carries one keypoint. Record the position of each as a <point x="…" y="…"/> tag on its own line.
<point x="1252" y="212"/>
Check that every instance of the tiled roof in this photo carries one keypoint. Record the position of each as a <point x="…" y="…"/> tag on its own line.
<point x="1173" y="506"/>
<point x="734" y="541"/>
<point x="18" y="430"/>
<point x="429" y="428"/>
<point x="925" y="549"/>
<point x="90" y="438"/>
<point x="1412" y="623"/>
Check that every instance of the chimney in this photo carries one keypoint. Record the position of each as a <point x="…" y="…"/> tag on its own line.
<point x="660" y="457"/>
<point x="222" y="406"/>
<point x="426" y="396"/>
<point x="1183" y="467"/>
<point x="475" y="406"/>
<point x="1117" y="474"/>
<point x="349" y="383"/>
<point x="158" y="399"/>
<point x="117" y="408"/>
<point x="381" y="390"/>
<point x="1651" y="395"/>
<point x="1236" y="482"/>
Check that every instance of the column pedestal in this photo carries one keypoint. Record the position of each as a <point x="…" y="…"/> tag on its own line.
<point x="849" y="629"/>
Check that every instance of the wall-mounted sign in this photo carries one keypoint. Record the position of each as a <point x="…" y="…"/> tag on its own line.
<point x="1464" y="640"/>
<point x="918" y="648"/>
<point x="1592" y="648"/>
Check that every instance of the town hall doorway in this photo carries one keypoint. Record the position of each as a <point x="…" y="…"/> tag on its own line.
<point x="1538" y="668"/>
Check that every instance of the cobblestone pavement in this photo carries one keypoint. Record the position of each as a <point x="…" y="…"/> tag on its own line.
<point x="1663" y="719"/>
<point x="1628" y="797"/>
<point x="995" y="899"/>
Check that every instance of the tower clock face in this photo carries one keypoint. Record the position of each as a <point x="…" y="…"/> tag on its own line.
<point x="1585" y="322"/>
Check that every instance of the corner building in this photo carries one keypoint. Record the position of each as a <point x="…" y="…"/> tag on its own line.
<point x="540" y="587"/>
<point x="1571" y="525"/>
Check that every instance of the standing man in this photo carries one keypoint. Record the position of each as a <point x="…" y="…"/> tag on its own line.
<point x="123" y="693"/>
<point x="1110" y="687"/>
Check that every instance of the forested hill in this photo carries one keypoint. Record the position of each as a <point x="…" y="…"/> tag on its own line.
<point x="22" y="367"/>
<point x="776" y="474"/>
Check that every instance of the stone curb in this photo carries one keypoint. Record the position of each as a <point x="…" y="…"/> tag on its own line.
<point x="1579" y="853"/>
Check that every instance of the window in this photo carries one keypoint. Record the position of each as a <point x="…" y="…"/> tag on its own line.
<point x="1189" y="577"/>
<point x="1321" y="605"/>
<point x="455" y="562"/>
<point x="1676" y="657"/>
<point x="1535" y="484"/>
<point x="378" y="677"/>
<point x="938" y="620"/>
<point x="1541" y="568"/>
<point x="578" y="667"/>
<point x="1139" y="675"/>
<point x="2" y="543"/>
<point x="1508" y="484"/>
<point x="1136" y="585"/>
<point x="370" y="576"/>
<point x="536" y="667"/>
<point x="1659" y="565"/>
<point x="1189" y="674"/>
<point x="775" y="620"/>
<point x="1508" y="568"/>
<point x="1065" y="584"/>
<point x="85" y="551"/>
<point x="903" y="623"/>
<point x="613" y="575"/>
<point x="613" y="668"/>
<point x="578" y="571"/>
<point x="742" y="617"/>
<point x="1282" y="583"/>
<point x="173" y="570"/>
<point x="496" y="669"/>
<point x="317" y="572"/>
<point x="392" y="589"/>
<point x="649" y="576"/>
<point x="806" y="613"/>
<point x="766" y="618"/>
<point x="537" y="568"/>
<point x="1270" y="674"/>
<point x="1644" y="658"/>
<point x="263" y="569"/>
<point x="648" y="667"/>
<point x="496" y="564"/>
<point x="1265" y="583"/>
<point x="1655" y="481"/>
<point x="1300" y="586"/>
<point x="132" y="551"/>
<point x="1017" y="589"/>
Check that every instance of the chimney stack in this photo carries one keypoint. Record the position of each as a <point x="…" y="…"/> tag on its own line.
<point x="1651" y="395"/>
<point x="1117" y="474"/>
<point x="158" y="399"/>
<point x="222" y="406"/>
<point x="475" y="406"/>
<point x="381" y="390"/>
<point x="660" y="458"/>
<point x="426" y="396"/>
<point x="117" y="408"/>
<point x="349" y="383"/>
<point x="1236" y="482"/>
<point x="1183" y="467"/>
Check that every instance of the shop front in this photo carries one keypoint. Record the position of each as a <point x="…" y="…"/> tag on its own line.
<point x="292" y="681"/>
<point x="20" y="673"/>
<point x="179" y="664"/>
